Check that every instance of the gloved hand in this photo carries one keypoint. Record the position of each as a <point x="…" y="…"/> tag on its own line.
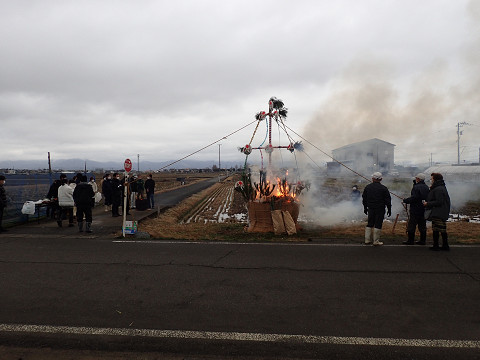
<point x="365" y="210"/>
<point x="389" y="212"/>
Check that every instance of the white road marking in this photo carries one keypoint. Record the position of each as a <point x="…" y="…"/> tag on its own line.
<point x="237" y="336"/>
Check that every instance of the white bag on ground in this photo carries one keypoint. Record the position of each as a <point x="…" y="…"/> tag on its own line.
<point x="28" y="208"/>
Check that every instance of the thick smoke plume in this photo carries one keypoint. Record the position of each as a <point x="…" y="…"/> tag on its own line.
<point x="420" y="109"/>
<point x="371" y="99"/>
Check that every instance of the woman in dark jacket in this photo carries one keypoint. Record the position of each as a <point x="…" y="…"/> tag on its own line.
<point x="438" y="201"/>
<point x="107" y="191"/>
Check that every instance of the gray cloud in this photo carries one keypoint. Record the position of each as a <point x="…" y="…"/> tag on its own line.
<point x="105" y="80"/>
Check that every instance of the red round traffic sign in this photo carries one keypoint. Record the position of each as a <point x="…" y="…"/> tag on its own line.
<point x="127" y="165"/>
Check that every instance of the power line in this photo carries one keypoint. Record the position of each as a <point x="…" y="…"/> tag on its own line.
<point x="213" y="143"/>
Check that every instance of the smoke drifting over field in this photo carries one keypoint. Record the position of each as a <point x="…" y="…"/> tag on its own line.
<point x="328" y="201"/>
<point x="365" y="101"/>
<point x="372" y="98"/>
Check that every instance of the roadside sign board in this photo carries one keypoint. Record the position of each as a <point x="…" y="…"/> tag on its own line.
<point x="127" y="165"/>
<point x="130" y="227"/>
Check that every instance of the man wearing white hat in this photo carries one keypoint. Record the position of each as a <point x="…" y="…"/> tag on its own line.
<point x="375" y="198"/>
<point x="418" y="194"/>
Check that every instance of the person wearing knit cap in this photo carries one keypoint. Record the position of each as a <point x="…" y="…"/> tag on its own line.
<point x="376" y="198"/>
<point x="416" y="219"/>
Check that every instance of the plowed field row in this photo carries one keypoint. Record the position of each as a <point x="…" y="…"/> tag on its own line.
<point x="222" y="205"/>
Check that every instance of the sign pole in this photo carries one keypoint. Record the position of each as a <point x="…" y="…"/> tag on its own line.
<point x="125" y="196"/>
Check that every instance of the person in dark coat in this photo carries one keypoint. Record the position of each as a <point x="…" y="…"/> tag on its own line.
<point x="140" y="187"/>
<point x="3" y="201"/>
<point x="133" y="190"/>
<point x="438" y="201"/>
<point x="375" y="198"/>
<point x="52" y="195"/>
<point x="116" y="186"/>
<point x="150" y="190"/>
<point x="84" y="198"/>
<point x="418" y="195"/>
<point x="355" y="195"/>
<point x="107" y="192"/>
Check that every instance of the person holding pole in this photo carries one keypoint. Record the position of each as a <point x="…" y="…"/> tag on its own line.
<point x="375" y="198"/>
<point x="418" y="195"/>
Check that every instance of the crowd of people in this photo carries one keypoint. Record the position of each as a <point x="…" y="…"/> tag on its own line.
<point x="113" y="191"/>
<point x="70" y="198"/>
<point x="426" y="203"/>
<point x="76" y="197"/>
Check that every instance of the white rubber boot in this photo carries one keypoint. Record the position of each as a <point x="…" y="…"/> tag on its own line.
<point x="376" y="237"/>
<point x="368" y="235"/>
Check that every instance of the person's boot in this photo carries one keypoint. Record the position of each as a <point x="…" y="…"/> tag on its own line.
<point x="106" y="208"/>
<point x="445" y="246"/>
<point x="376" y="237"/>
<point x="59" y="222"/>
<point x="368" y="235"/>
<point x="436" y="237"/>
<point x="80" y="226"/>
<point x="88" y="227"/>
<point x="423" y="238"/>
<point x="411" y="237"/>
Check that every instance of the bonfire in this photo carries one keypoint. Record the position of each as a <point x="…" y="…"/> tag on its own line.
<point x="272" y="202"/>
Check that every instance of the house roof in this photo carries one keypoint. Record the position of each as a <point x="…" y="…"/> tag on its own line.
<point x="374" y="140"/>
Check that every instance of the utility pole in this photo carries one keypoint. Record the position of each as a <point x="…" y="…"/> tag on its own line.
<point x="219" y="167"/>
<point x="460" y="124"/>
<point x="49" y="168"/>
<point x="138" y="162"/>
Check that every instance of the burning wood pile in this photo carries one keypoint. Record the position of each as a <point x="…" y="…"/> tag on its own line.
<point x="272" y="202"/>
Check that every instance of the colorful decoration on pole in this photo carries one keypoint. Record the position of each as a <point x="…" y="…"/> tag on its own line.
<point x="127" y="165"/>
<point x="273" y="192"/>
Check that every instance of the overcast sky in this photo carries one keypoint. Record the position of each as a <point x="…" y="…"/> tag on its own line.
<point x="107" y="80"/>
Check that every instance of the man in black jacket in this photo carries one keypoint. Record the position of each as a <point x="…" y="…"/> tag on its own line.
<point x="375" y="198"/>
<point x="150" y="189"/>
<point x="418" y="194"/>
<point x="84" y="198"/>
<point x="117" y="188"/>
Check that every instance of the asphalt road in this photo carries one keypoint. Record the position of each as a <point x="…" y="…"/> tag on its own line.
<point x="205" y="300"/>
<point x="173" y="197"/>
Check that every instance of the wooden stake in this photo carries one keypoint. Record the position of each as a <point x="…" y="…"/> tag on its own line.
<point x="395" y="223"/>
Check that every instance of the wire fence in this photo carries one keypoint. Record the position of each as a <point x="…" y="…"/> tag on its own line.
<point x="20" y="188"/>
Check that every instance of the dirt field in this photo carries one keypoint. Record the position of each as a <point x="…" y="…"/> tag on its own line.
<point x="219" y="213"/>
